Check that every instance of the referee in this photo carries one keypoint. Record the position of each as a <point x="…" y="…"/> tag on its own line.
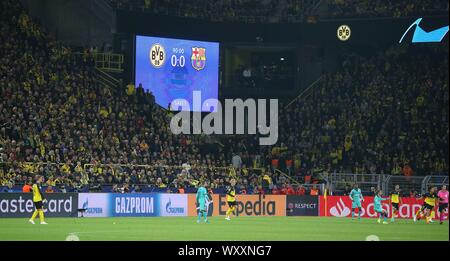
<point x="38" y="199"/>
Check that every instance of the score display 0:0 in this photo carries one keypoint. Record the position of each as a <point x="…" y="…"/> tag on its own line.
<point x="175" y="61"/>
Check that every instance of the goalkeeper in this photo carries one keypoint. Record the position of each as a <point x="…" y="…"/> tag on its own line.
<point x="200" y="198"/>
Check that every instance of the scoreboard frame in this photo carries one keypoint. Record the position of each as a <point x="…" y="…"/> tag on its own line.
<point x="180" y="61"/>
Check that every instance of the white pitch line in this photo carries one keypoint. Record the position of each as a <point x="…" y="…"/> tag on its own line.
<point x="95" y="232"/>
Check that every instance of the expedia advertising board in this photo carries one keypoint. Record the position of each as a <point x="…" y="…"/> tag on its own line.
<point x="302" y="205"/>
<point x="21" y="205"/>
<point x="193" y="210"/>
<point x="247" y="205"/>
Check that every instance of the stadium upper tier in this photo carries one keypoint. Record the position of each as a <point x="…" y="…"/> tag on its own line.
<point x="274" y="11"/>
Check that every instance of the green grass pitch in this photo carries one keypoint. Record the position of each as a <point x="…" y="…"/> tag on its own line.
<point x="238" y="229"/>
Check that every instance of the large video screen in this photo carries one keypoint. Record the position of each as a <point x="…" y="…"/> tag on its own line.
<point x="174" y="68"/>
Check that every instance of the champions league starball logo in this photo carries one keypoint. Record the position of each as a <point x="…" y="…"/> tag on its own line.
<point x="421" y="36"/>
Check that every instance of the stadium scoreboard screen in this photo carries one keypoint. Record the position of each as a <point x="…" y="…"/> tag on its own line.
<point x="174" y="68"/>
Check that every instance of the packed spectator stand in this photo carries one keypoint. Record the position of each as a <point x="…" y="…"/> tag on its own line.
<point x="383" y="113"/>
<point x="291" y="11"/>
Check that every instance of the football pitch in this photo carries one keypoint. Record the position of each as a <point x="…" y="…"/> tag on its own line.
<point x="238" y="229"/>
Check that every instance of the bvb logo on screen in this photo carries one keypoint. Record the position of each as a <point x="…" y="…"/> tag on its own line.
<point x="157" y="55"/>
<point x="344" y="32"/>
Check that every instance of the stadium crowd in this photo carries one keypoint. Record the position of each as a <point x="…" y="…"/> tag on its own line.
<point x="383" y="8"/>
<point x="369" y="117"/>
<point x="386" y="113"/>
<point x="271" y="11"/>
<point x="248" y="11"/>
<point x="53" y="111"/>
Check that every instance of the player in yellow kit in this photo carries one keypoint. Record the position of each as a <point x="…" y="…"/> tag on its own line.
<point x="395" y="202"/>
<point x="231" y="198"/>
<point x="434" y="199"/>
<point x="38" y="200"/>
<point x="429" y="203"/>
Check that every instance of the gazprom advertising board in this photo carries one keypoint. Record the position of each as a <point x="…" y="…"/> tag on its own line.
<point x="173" y="205"/>
<point x="95" y="204"/>
<point x="132" y="205"/>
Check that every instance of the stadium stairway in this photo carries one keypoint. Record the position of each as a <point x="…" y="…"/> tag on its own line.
<point x="305" y="93"/>
<point x="108" y="69"/>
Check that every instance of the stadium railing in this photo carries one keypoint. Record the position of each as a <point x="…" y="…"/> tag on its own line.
<point x="407" y="184"/>
<point x="305" y="93"/>
<point x="433" y="181"/>
<point x="308" y="187"/>
<point x="340" y="182"/>
<point x="110" y="62"/>
<point x="337" y="183"/>
<point x="107" y="80"/>
<point x="31" y="168"/>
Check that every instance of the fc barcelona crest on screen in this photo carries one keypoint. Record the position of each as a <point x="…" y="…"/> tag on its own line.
<point x="198" y="58"/>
